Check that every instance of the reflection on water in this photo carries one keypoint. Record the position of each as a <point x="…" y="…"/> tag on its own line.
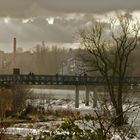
<point x="58" y="93"/>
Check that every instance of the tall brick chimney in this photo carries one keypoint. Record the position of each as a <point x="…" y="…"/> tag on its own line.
<point x="14" y="52"/>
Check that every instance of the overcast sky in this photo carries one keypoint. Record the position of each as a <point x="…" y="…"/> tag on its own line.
<point x="33" y="21"/>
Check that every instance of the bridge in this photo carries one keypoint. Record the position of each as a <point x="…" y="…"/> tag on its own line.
<point x="32" y="79"/>
<point x="85" y="80"/>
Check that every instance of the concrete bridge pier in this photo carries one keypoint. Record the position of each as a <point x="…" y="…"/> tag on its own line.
<point x="94" y="98"/>
<point x="76" y="96"/>
<point x="87" y="95"/>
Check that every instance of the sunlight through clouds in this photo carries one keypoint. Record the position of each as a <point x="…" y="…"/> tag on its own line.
<point x="6" y="20"/>
<point x="25" y="20"/>
<point x="50" y="20"/>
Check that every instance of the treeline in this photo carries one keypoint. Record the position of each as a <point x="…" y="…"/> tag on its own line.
<point x="41" y="60"/>
<point x="49" y="60"/>
<point x="133" y="64"/>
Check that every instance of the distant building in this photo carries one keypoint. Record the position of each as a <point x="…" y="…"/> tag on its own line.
<point x="72" y="66"/>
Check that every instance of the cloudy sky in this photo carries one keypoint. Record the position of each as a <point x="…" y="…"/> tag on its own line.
<point x="53" y="21"/>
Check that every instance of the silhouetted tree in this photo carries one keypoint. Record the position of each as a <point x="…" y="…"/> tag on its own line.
<point x="109" y="49"/>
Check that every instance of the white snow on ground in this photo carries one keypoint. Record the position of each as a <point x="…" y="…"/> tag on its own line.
<point x="26" y="129"/>
<point x="22" y="131"/>
<point x="117" y="137"/>
<point x="36" y="128"/>
<point x="60" y="103"/>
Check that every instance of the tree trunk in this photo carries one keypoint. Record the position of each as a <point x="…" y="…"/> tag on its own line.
<point x="119" y="119"/>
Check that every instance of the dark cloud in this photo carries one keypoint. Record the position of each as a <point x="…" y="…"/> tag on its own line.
<point x="29" y="8"/>
<point x="38" y="30"/>
<point x="67" y="15"/>
<point x="90" y="6"/>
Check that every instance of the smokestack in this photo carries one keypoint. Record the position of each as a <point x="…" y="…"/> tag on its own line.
<point x="14" y="52"/>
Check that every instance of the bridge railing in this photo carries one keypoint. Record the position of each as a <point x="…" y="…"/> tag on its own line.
<point x="60" y="79"/>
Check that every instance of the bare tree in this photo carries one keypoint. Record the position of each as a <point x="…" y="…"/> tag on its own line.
<point x="5" y="102"/>
<point x="5" y="105"/>
<point x="19" y="96"/>
<point x="110" y="48"/>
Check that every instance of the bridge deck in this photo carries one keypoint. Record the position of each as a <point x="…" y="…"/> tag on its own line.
<point x="59" y="80"/>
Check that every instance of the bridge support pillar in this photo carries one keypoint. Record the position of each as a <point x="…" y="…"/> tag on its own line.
<point x="76" y="96"/>
<point x="87" y="95"/>
<point x="94" y="98"/>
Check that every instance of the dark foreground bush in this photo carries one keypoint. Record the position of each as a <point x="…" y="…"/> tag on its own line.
<point x="88" y="127"/>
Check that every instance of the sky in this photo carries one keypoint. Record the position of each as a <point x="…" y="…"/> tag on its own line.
<point x="53" y="21"/>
